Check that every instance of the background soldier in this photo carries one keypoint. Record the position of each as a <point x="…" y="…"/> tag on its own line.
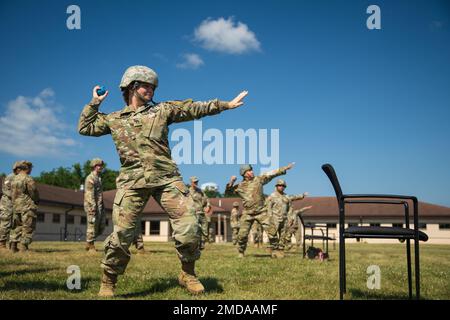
<point x="251" y="192"/>
<point x="292" y="227"/>
<point x="6" y="208"/>
<point x="25" y="199"/>
<point x="202" y="206"/>
<point x="257" y="234"/>
<point x="279" y="205"/>
<point x="140" y="133"/>
<point x="139" y="240"/>
<point x="93" y="204"/>
<point x="234" y="221"/>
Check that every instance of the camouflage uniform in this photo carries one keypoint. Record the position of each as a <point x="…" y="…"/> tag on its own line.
<point x="94" y="207"/>
<point x="201" y="203"/>
<point x="251" y="192"/>
<point x="257" y="233"/>
<point x="147" y="169"/>
<point x="6" y="209"/>
<point x="279" y="207"/>
<point x="25" y="199"/>
<point x="234" y="221"/>
<point x="211" y="235"/>
<point x="292" y="227"/>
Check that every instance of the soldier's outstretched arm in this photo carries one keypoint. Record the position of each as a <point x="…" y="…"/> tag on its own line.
<point x="268" y="176"/>
<point x="189" y="110"/>
<point x="230" y="188"/>
<point x="299" y="196"/>
<point x="302" y="210"/>
<point x="92" y="122"/>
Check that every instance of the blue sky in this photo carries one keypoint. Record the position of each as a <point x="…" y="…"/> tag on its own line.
<point x="374" y="103"/>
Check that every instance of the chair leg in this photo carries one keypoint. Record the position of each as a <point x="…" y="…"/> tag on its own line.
<point x="341" y="267"/>
<point x="345" y="268"/>
<point x="417" y="267"/>
<point x="408" y="261"/>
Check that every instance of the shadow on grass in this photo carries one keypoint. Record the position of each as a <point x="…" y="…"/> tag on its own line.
<point x="24" y="271"/>
<point x="49" y="250"/>
<point x="43" y="285"/>
<point x="359" y="294"/>
<point x="161" y="285"/>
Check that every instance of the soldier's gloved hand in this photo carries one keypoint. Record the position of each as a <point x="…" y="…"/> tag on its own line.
<point x="96" y="96"/>
<point x="233" y="179"/>
<point x="290" y="165"/>
<point x="305" y="194"/>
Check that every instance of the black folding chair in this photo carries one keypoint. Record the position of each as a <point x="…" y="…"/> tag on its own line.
<point x="377" y="232"/>
<point x="324" y="236"/>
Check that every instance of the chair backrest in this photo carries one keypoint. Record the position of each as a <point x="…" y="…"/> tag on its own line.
<point x="329" y="171"/>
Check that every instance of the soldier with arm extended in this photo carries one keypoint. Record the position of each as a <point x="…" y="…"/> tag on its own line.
<point x="93" y="204"/>
<point x="292" y="227"/>
<point x="25" y="199"/>
<point x="140" y="133"/>
<point x="6" y="208"/>
<point x="250" y="190"/>
<point x="280" y="205"/>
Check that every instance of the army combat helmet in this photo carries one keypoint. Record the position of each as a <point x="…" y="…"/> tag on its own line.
<point x="235" y="204"/>
<point x="96" y="162"/>
<point x="281" y="182"/>
<point x="138" y="73"/>
<point x="244" y="168"/>
<point x="22" y="165"/>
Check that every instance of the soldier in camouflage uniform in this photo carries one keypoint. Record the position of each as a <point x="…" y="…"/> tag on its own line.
<point x="6" y="208"/>
<point x="292" y="227"/>
<point x="139" y="240"/>
<point x="202" y="206"/>
<point x="140" y="133"/>
<point x="279" y="206"/>
<point x="257" y="234"/>
<point x="93" y="204"/>
<point x="25" y="199"/>
<point x="234" y="221"/>
<point x="251" y="192"/>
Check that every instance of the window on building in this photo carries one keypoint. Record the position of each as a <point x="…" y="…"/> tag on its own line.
<point x="444" y="226"/>
<point x="423" y="226"/>
<point x="154" y="227"/>
<point x="40" y="217"/>
<point x="56" y="218"/>
<point x="83" y="220"/>
<point x="397" y="225"/>
<point x="70" y="219"/>
<point x="374" y="224"/>
<point x="143" y="228"/>
<point x="331" y="225"/>
<point x="352" y="225"/>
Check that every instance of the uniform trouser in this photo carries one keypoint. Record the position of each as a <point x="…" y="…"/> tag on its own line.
<point x="287" y="237"/>
<point x="174" y="198"/>
<point x="24" y="224"/>
<point x="96" y="224"/>
<point x="246" y="222"/>
<point x="138" y="239"/>
<point x="280" y="224"/>
<point x="235" y="234"/>
<point x="6" y="218"/>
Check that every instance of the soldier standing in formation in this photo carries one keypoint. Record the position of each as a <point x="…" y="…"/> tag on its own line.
<point x="202" y="207"/>
<point x="25" y="198"/>
<point x="140" y="133"/>
<point x="279" y="206"/>
<point x="93" y="204"/>
<point x="234" y="220"/>
<point x="292" y="227"/>
<point x="6" y="208"/>
<point x="251" y="192"/>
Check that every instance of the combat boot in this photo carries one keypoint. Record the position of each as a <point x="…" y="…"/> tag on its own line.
<point x="241" y="255"/>
<point x="277" y="254"/>
<point x="23" y="247"/>
<point x="108" y="285"/>
<point x="189" y="280"/>
<point x="90" y="247"/>
<point x="141" y="250"/>
<point x="14" y="247"/>
<point x="2" y="245"/>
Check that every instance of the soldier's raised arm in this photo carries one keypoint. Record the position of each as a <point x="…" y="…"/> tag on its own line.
<point x="92" y="122"/>
<point x="268" y="176"/>
<point x="298" y="196"/>
<point x="189" y="110"/>
<point x="230" y="188"/>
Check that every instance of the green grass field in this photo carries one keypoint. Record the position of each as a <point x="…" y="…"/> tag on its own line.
<point x="41" y="273"/>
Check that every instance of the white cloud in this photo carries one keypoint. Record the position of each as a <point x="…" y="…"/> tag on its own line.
<point x="30" y="127"/>
<point x="226" y="36"/>
<point x="191" y="61"/>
